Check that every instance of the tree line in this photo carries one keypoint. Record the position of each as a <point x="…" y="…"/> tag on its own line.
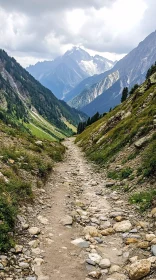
<point x="83" y="125"/>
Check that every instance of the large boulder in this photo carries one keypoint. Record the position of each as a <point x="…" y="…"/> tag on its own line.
<point x="139" y="269"/>
<point x="122" y="226"/>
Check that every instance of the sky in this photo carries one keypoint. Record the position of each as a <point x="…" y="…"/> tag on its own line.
<point x="37" y="30"/>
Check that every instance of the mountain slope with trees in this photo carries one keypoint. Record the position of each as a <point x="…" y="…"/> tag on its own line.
<point x="26" y="100"/>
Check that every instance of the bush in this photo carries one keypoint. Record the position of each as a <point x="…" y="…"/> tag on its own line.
<point x="144" y="199"/>
<point x="122" y="174"/>
<point x="12" y="193"/>
<point x="149" y="160"/>
<point x="7" y="221"/>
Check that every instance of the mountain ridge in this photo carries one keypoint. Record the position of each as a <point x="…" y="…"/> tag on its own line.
<point x="132" y="68"/>
<point x="65" y="72"/>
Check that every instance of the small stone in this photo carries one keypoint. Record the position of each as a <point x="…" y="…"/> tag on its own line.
<point x="153" y="212"/>
<point x="143" y="224"/>
<point x="95" y="274"/>
<point x="18" y="249"/>
<point x="95" y="257"/>
<point x="24" y="265"/>
<point x="80" y="243"/>
<point x="131" y="241"/>
<point x="91" y="230"/>
<point x="122" y="226"/>
<point x="105" y="263"/>
<point x="143" y="245"/>
<point x="90" y="262"/>
<point x="119" y="218"/>
<point x="1" y="267"/>
<point x="141" y="142"/>
<point x="133" y="259"/>
<point x="107" y="231"/>
<point x="153" y="250"/>
<point x="109" y="184"/>
<point x="34" y="243"/>
<point x="67" y="221"/>
<point x="38" y="261"/>
<point x="126" y="255"/>
<point x="39" y="143"/>
<point x="25" y="226"/>
<point x="139" y="269"/>
<point x="42" y="220"/>
<point x="153" y="241"/>
<point x="114" y="268"/>
<point x="115" y="214"/>
<point x="150" y="237"/>
<point x="99" y="240"/>
<point x="34" y="230"/>
<point x="152" y="259"/>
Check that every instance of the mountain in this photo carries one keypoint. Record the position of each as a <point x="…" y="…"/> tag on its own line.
<point x="128" y="71"/>
<point x="23" y="99"/>
<point x="65" y="72"/>
<point x="123" y="144"/>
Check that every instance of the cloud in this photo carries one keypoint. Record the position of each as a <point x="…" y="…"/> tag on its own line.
<point x="40" y="6"/>
<point x="40" y="29"/>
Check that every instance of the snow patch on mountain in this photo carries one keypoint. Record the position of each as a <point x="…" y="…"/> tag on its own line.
<point x="89" y="67"/>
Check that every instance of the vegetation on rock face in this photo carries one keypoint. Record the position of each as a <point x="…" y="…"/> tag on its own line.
<point x="151" y="71"/>
<point x="125" y="136"/>
<point x="25" y="164"/>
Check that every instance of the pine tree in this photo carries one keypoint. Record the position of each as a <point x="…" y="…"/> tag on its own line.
<point x="124" y="94"/>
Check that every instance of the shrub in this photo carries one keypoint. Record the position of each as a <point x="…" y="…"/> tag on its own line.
<point x="122" y="174"/>
<point x="149" y="160"/>
<point x="144" y="199"/>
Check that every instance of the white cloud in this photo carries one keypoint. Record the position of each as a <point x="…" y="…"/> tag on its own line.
<point x="36" y="30"/>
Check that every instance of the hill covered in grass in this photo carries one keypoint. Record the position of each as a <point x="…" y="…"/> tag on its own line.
<point x="123" y="143"/>
<point x="25" y="163"/>
<point x="25" y="100"/>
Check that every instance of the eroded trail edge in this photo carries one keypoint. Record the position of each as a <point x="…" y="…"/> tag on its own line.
<point x="87" y="230"/>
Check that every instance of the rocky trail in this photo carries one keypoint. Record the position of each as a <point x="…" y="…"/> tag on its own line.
<point x="79" y="229"/>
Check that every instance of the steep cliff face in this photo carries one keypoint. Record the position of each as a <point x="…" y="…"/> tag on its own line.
<point x="87" y="96"/>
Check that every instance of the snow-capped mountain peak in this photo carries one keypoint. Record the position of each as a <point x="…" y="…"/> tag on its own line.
<point x="65" y="72"/>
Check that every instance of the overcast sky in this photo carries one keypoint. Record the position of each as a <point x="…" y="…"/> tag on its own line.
<point x="33" y="30"/>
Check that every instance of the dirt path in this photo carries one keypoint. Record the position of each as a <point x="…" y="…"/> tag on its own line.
<point x="75" y="190"/>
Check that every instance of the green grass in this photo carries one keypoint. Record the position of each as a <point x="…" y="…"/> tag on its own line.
<point x="120" y="175"/>
<point x="21" y="164"/>
<point x="13" y="193"/>
<point x="39" y="133"/>
<point x="103" y="140"/>
<point x="149" y="159"/>
<point x="143" y="199"/>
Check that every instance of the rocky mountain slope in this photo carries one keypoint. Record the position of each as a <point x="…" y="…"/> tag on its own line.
<point x="128" y="71"/>
<point x="23" y="99"/>
<point x="123" y="142"/>
<point x="65" y="72"/>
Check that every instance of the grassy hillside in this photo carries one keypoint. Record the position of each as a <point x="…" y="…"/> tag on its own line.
<point x="25" y="163"/>
<point x="124" y="143"/>
<point x="21" y="96"/>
